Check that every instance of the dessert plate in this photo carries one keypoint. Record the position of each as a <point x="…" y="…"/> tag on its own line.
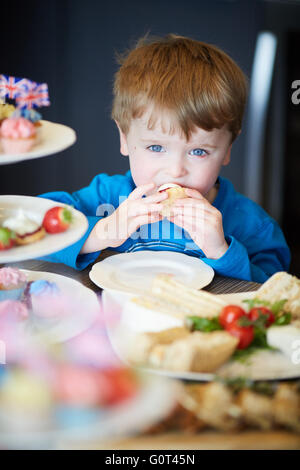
<point x="35" y="208"/>
<point x="52" y="138"/>
<point x="154" y="400"/>
<point x="123" y="327"/>
<point x="134" y="272"/>
<point x="76" y="316"/>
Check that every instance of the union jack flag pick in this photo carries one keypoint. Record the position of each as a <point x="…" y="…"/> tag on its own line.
<point x="36" y="96"/>
<point x="12" y="87"/>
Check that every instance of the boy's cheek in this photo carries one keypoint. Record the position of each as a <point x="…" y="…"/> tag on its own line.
<point x="143" y="175"/>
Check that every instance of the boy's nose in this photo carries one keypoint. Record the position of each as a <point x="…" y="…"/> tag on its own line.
<point x="177" y="169"/>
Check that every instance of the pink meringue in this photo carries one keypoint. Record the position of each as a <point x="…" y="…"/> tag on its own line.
<point x="11" y="278"/>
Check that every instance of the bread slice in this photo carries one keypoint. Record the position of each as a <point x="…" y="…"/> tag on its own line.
<point x="196" y="352"/>
<point x="192" y="301"/>
<point x="282" y="286"/>
<point x="139" y="349"/>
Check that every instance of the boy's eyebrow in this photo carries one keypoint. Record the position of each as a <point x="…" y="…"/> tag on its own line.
<point x="155" y="141"/>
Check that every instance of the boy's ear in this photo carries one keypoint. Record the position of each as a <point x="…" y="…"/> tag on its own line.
<point x="123" y="141"/>
<point x="226" y="160"/>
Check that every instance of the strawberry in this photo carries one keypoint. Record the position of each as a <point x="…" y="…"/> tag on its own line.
<point x="7" y="238"/>
<point x="57" y="219"/>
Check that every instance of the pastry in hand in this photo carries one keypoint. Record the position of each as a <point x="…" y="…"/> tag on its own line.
<point x="174" y="192"/>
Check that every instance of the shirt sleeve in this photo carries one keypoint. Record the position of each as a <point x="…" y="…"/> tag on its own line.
<point x="87" y="200"/>
<point x="256" y="258"/>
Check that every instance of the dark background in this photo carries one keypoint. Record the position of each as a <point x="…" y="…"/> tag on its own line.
<point x="71" y="45"/>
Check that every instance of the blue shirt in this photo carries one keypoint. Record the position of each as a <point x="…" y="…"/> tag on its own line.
<point x="257" y="247"/>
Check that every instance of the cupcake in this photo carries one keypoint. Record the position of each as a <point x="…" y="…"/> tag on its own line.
<point x="18" y="135"/>
<point x="46" y="303"/>
<point x="31" y="114"/>
<point x="12" y="283"/>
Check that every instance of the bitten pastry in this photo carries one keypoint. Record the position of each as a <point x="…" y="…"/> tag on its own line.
<point x="174" y="192"/>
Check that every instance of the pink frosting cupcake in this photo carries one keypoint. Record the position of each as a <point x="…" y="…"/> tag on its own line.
<point x="12" y="283"/>
<point x="18" y="135"/>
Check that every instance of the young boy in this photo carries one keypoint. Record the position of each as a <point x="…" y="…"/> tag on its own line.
<point x="178" y="104"/>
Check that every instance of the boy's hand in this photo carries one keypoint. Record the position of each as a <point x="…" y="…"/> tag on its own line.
<point x="134" y="212"/>
<point x="202" y="221"/>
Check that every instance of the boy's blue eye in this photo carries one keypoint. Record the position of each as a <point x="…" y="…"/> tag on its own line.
<point x="198" y="152"/>
<point x="155" y="148"/>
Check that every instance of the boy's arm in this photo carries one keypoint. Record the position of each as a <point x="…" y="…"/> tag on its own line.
<point x="256" y="258"/>
<point x="86" y="200"/>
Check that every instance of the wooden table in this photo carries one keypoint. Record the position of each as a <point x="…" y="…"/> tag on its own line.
<point x="204" y="440"/>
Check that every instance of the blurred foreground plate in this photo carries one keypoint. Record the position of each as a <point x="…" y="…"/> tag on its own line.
<point x="155" y="399"/>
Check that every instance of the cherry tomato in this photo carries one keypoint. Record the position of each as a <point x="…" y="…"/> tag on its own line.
<point x="245" y="334"/>
<point x="229" y="314"/>
<point x="57" y="219"/>
<point x="117" y="385"/>
<point x="255" y="313"/>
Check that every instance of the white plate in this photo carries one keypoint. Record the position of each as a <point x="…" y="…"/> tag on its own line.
<point x="72" y="322"/>
<point x="35" y="208"/>
<point x="263" y="365"/>
<point x="134" y="272"/>
<point x="154" y="401"/>
<point x="52" y="138"/>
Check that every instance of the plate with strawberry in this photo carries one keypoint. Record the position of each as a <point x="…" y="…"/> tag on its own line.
<point x="31" y="227"/>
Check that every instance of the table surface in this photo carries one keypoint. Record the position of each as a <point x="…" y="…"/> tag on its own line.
<point x="252" y="439"/>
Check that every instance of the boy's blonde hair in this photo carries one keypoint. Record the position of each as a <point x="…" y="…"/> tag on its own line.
<point x="198" y="83"/>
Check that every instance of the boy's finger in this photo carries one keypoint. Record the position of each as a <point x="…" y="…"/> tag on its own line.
<point x="143" y="220"/>
<point x="193" y="193"/>
<point x="139" y="191"/>
<point x="191" y="202"/>
<point x="143" y="209"/>
<point x="157" y="197"/>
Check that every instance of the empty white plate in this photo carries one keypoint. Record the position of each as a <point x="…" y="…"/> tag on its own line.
<point x="134" y="272"/>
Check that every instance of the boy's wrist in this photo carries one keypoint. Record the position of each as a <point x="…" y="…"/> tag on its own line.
<point x="217" y="253"/>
